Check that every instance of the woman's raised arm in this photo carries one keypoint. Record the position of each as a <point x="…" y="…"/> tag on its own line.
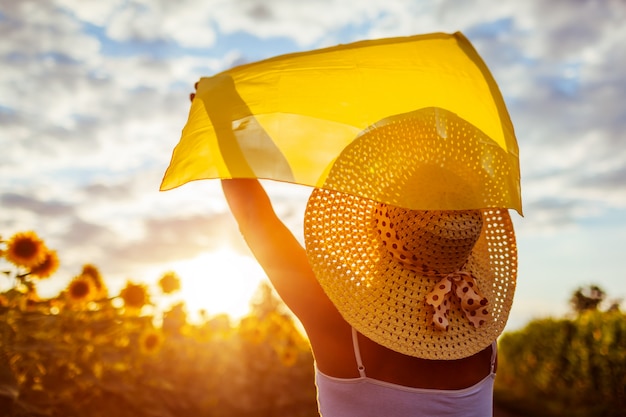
<point x="277" y="250"/>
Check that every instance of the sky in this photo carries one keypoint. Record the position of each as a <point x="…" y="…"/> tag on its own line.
<point x="94" y="94"/>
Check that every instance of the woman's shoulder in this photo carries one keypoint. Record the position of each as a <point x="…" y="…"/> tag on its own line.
<point x="335" y="356"/>
<point x="331" y="342"/>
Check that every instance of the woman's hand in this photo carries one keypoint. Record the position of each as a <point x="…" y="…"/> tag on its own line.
<point x="193" y="95"/>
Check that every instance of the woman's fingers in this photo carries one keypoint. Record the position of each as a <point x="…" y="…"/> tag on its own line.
<point x="193" y="95"/>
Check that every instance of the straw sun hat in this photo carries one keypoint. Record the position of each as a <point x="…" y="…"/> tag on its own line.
<point x="436" y="283"/>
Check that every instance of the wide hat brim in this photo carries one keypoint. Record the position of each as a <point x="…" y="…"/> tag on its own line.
<point x="430" y="159"/>
<point x="387" y="302"/>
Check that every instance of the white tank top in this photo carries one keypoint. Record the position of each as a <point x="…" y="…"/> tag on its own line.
<point x="367" y="397"/>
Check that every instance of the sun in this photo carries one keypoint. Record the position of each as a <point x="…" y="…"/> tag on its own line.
<point x="222" y="281"/>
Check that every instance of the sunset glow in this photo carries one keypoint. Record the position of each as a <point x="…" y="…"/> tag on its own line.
<point x="219" y="282"/>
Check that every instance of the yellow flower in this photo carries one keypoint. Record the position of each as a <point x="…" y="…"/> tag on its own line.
<point x="216" y="327"/>
<point x="150" y="341"/>
<point x="25" y="249"/>
<point x="28" y="300"/>
<point x="135" y="295"/>
<point x="278" y="325"/>
<point x="92" y="273"/>
<point x="252" y="329"/>
<point x="169" y="282"/>
<point x="80" y="289"/>
<point x="31" y="300"/>
<point x="48" y="267"/>
<point x="175" y="319"/>
<point x="288" y="355"/>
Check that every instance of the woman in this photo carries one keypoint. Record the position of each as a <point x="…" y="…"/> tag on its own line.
<point x="382" y="382"/>
<point x="402" y="307"/>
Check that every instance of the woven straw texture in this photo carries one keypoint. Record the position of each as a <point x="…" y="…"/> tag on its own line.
<point x="429" y="159"/>
<point x="386" y="300"/>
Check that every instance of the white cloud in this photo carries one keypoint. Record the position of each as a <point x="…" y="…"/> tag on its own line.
<point x="33" y="28"/>
<point x="185" y="22"/>
<point x="85" y="137"/>
<point x="95" y="12"/>
<point x="304" y="22"/>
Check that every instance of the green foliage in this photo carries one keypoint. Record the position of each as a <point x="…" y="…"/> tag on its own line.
<point x="587" y="298"/>
<point x="566" y="367"/>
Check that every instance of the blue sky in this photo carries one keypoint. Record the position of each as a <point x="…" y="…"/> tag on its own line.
<point x="93" y="96"/>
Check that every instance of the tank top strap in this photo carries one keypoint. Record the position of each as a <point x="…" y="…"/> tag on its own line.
<point x="361" y="367"/>
<point x="494" y="356"/>
<point x="357" y="353"/>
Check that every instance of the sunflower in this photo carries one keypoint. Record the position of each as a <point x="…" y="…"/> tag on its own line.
<point x="216" y="327"/>
<point x="80" y="289"/>
<point x="48" y="267"/>
<point x="135" y="296"/>
<point x="169" y="282"/>
<point x="278" y="324"/>
<point x="26" y="249"/>
<point x="252" y="329"/>
<point x="28" y="300"/>
<point x="150" y="341"/>
<point x="288" y="355"/>
<point x="92" y="273"/>
<point x="175" y="319"/>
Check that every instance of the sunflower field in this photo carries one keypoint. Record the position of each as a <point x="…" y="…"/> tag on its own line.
<point x="86" y="352"/>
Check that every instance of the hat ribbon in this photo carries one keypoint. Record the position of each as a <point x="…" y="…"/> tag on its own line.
<point x="472" y="301"/>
